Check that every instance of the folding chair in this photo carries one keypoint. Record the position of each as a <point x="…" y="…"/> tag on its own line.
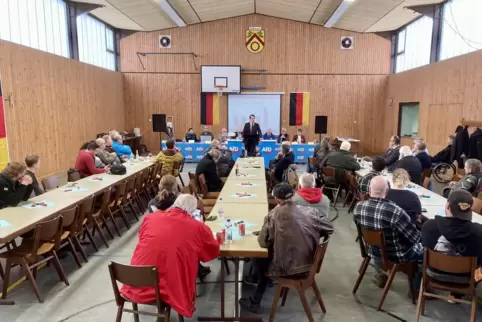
<point x="50" y="183"/>
<point x="115" y="210"/>
<point x="70" y="218"/>
<point x="332" y="185"/>
<point x="177" y="168"/>
<point x="99" y="216"/>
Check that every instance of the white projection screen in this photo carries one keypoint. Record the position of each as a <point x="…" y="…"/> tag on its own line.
<point x="266" y="108"/>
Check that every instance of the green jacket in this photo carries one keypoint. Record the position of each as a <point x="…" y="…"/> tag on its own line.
<point x="342" y="161"/>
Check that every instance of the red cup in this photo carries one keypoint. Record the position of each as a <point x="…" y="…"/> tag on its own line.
<point x="220" y="237"/>
<point x="242" y="229"/>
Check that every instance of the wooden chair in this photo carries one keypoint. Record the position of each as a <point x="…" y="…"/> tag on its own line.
<point x="73" y="176"/>
<point x="152" y="185"/>
<point x="195" y="191"/>
<point x="50" y="183"/>
<point x="477" y="206"/>
<point x="452" y="265"/>
<point x="99" y="217"/>
<point x="204" y="188"/>
<point x="141" y="277"/>
<point x="42" y="248"/>
<point x="301" y="285"/>
<point x="426" y="183"/>
<point x="427" y="173"/>
<point x="70" y="219"/>
<point x="85" y="218"/>
<point x="115" y="210"/>
<point x="129" y="196"/>
<point x="376" y="238"/>
<point x="141" y="190"/>
<point x="335" y="187"/>
<point x="177" y="168"/>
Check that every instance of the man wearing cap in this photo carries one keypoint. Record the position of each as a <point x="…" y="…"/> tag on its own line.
<point x="291" y="234"/>
<point x="454" y="234"/>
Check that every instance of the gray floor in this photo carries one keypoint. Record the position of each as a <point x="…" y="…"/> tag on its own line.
<point x="89" y="296"/>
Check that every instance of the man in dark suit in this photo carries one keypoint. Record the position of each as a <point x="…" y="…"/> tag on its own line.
<point x="251" y="135"/>
<point x="207" y="166"/>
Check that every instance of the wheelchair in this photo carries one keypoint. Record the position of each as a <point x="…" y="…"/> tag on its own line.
<point x="444" y="172"/>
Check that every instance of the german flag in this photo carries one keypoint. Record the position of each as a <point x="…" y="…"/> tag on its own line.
<point x="3" y="133"/>
<point x="300" y="109"/>
<point x="209" y="109"/>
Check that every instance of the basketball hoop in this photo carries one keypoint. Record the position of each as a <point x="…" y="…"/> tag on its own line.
<point x="220" y="90"/>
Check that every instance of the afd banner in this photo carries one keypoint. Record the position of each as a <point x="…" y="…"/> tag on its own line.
<point x="194" y="152"/>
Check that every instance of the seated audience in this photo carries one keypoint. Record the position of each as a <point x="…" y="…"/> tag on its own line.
<point x="168" y="157"/>
<point x="206" y="132"/>
<point x="190" y="135"/>
<point x="225" y="162"/>
<point x="224" y="137"/>
<point x="284" y="136"/>
<point x="32" y="162"/>
<point x="168" y="192"/>
<point x="409" y="163"/>
<point x="378" y="165"/>
<point x="108" y="144"/>
<point x="104" y="156"/>
<point x="207" y="166"/>
<point x="299" y="137"/>
<point x="291" y="233"/>
<point x="283" y="160"/>
<point x="269" y="135"/>
<point x="14" y="184"/>
<point x="120" y="149"/>
<point x="402" y="239"/>
<point x="454" y="234"/>
<point x="405" y="199"/>
<point x="471" y="181"/>
<point x="85" y="161"/>
<point x="392" y="154"/>
<point x="308" y="195"/>
<point x="342" y="160"/>
<point x="420" y="152"/>
<point x="113" y="134"/>
<point x="446" y="153"/>
<point x="415" y="142"/>
<point x="174" y="243"/>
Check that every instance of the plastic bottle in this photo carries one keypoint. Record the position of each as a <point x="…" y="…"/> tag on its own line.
<point x="137" y="154"/>
<point x="220" y="208"/>
<point x="237" y="169"/>
<point x="229" y="231"/>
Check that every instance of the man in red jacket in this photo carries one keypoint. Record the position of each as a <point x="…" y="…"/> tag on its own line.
<point x="175" y="243"/>
<point x="85" y="162"/>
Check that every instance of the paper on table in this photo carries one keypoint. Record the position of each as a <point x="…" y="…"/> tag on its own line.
<point x="37" y="204"/>
<point x="243" y="195"/>
<point x="4" y="223"/>
<point x="74" y="189"/>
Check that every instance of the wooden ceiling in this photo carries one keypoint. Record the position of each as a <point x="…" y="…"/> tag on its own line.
<point x="362" y="16"/>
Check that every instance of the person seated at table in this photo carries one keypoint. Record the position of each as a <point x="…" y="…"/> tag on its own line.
<point x="392" y="154"/>
<point x="284" y="136"/>
<point x="341" y="160"/>
<point x="269" y="135"/>
<point x="378" y="165"/>
<point x="207" y="166"/>
<point x="190" y="135"/>
<point x="402" y="239"/>
<point x="320" y="153"/>
<point x="308" y="195"/>
<point x="291" y="234"/>
<point x="168" y="192"/>
<point x="420" y="152"/>
<point x="454" y="234"/>
<point x="471" y="181"/>
<point x="120" y="149"/>
<point x="168" y="157"/>
<point x="206" y="132"/>
<point x="32" y="162"/>
<point x="299" y="137"/>
<point x="445" y="154"/>
<point x="14" y="183"/>
<point x="104" y="156"/>
<point x="225" y="162"/>
<point x="415" y="142"/>
<point x="409" y="163"/>
<point x="108" y="144"/>
<point x="113" y="134"/>
<point x="174" y="243"/>
<point x="282" y="162"/>
<point x="405" y="199"/>
<point x="85" y="161"/>
<point x="223" y="136"/>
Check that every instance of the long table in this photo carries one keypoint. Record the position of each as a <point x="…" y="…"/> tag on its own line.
<point x="252" y="211"/>
<point x="19" y="220"/>
<point x="268" y="149"/>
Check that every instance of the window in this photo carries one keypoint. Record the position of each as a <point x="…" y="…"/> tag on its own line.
<point x="40" y="24"/>
<point x="461" y="28"/>
<point x="96" y="42"/>
<point x="408" y="119"/>
<point x="414" y="42"/>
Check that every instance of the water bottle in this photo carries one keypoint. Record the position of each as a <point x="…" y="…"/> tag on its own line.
<point x="229" y="231"/>
<point x="220" y="208"/>
<point x="131" y="156"/>
<point x="237" y="170"/>
<point x="137" y="154"/>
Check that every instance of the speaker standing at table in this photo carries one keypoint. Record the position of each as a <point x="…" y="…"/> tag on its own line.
<point x="251" y="136"/>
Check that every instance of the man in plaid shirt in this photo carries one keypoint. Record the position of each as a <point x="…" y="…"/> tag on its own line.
<point x="378" y="164"/>
<point x="402" y="239"/>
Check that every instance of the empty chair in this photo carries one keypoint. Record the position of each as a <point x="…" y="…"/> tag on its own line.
<point x="177" y="168"/>
<point x="115" y="210"/>
<point x="330" y="174"/>
<point x="138" y="276"/>
<point x="70" y="219"/>
<point x="85" y="218"/>
<point x="98" y="217"/>
<point x="50" y="183"/>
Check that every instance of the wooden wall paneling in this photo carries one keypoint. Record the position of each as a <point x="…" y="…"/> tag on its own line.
<point x="59" y="104"/>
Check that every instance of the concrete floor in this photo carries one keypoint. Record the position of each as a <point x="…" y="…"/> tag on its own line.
<point x="90" y="298"/>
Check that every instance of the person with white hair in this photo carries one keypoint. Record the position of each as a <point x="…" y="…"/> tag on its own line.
<point x="207" y="167"/>
<point x="175" y="243"/>
<point x="471" y="181"/>
<point x="225" y="162"/>
<point x="410" y="164"/>
<point x="119" y="148"/>
<point x="309" y="195"/>
<point x="420" y="152"/>
<point x="223" y="136"/>
<point x="104" y="156"/>
<point x="402" y="239"/>
<point x="342" y="160"/>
